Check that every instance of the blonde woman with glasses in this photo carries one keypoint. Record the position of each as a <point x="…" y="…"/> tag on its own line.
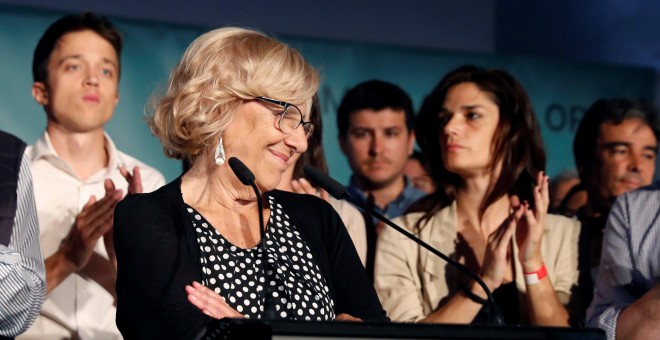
<point x="191" y="252"/>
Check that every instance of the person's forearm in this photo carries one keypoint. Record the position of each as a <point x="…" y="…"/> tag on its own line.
<point x="544" y="305"/>
<point x="58" y="268"/>
<point x="101" y="270"/>
<point x="459" y="309"/>
<point x="639" y="321"/>
<point x="22" y="290"/>
<point x="23" y="300"/>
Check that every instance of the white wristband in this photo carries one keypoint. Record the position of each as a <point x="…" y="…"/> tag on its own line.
<point x="535" y="277"/>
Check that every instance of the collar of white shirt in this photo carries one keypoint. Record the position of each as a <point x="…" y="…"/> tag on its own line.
<point x="43" y="149"/>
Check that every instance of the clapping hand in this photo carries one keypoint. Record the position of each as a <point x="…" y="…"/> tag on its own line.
<point x="134" y="180"/>
<point x="498" y="250"/>
<point x="530" y="226"/>
<point x="94" y="221"/>
<point x="302" y="186"/>
<point x="134" y="186"/>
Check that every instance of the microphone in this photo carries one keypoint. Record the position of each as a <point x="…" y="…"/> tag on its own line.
<point x="247" y="178"/>
<point x="242" y="172"/>
<point x="338" y="191"/>
<point x="328" y="184"/>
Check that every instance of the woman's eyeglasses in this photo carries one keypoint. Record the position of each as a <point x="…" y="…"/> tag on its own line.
<point x="291" y="118"/>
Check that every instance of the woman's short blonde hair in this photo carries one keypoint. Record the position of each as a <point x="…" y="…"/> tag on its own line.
<point x="219" y="71"/>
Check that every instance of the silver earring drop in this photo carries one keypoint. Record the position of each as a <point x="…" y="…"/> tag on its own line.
<point x="219" y="153"/>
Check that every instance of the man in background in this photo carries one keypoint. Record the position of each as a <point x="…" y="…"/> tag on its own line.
<point x="375" y="123"/>
<point x="79" y="176"/>
<point x="615" y="150"/>
<point x="417" y="170"/>
<point x="566" y="194"/>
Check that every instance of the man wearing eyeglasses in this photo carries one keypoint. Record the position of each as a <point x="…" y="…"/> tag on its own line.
<point x="79" y="176"/>
<point x="375" y="123"/>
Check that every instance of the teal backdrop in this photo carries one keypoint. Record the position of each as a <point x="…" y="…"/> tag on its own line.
<point x="560" y="91"/>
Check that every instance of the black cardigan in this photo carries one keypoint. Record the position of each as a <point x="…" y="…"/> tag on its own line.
<point x="158" y="254"/>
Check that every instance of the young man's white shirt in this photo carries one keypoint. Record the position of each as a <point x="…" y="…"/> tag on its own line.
<point x="78" y="307"/>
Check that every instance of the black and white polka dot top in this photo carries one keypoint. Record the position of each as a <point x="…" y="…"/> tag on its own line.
<point x="298" y="290"/>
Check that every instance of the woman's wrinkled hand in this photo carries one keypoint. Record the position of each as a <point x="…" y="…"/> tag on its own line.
<point x="210" y="303"/>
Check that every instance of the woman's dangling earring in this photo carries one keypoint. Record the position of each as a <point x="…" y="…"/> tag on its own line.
<point x="219" y="153"/>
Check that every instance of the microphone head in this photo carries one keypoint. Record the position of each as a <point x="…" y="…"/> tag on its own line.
<point x="326" y="182"/>
<point x="242" y="172"/>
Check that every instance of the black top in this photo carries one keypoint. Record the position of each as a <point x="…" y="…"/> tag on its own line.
<point x="158" y="254"/>
<point x="506" y="299"/>
<point x="296" y="286"/>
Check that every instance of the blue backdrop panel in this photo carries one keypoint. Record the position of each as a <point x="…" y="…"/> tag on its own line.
<point x="560" y="91"/>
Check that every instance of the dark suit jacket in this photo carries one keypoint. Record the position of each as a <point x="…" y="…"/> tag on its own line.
<point x="158" y="255"/>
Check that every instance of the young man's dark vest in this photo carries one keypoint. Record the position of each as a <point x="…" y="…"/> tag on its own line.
<point x="11" y="154"/>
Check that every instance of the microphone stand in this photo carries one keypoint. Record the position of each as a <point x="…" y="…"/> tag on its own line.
<point x="269" y="311"/>
<point x="247" y="177"/>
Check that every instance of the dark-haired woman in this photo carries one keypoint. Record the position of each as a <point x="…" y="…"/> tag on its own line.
<point x="489" y="213"/>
